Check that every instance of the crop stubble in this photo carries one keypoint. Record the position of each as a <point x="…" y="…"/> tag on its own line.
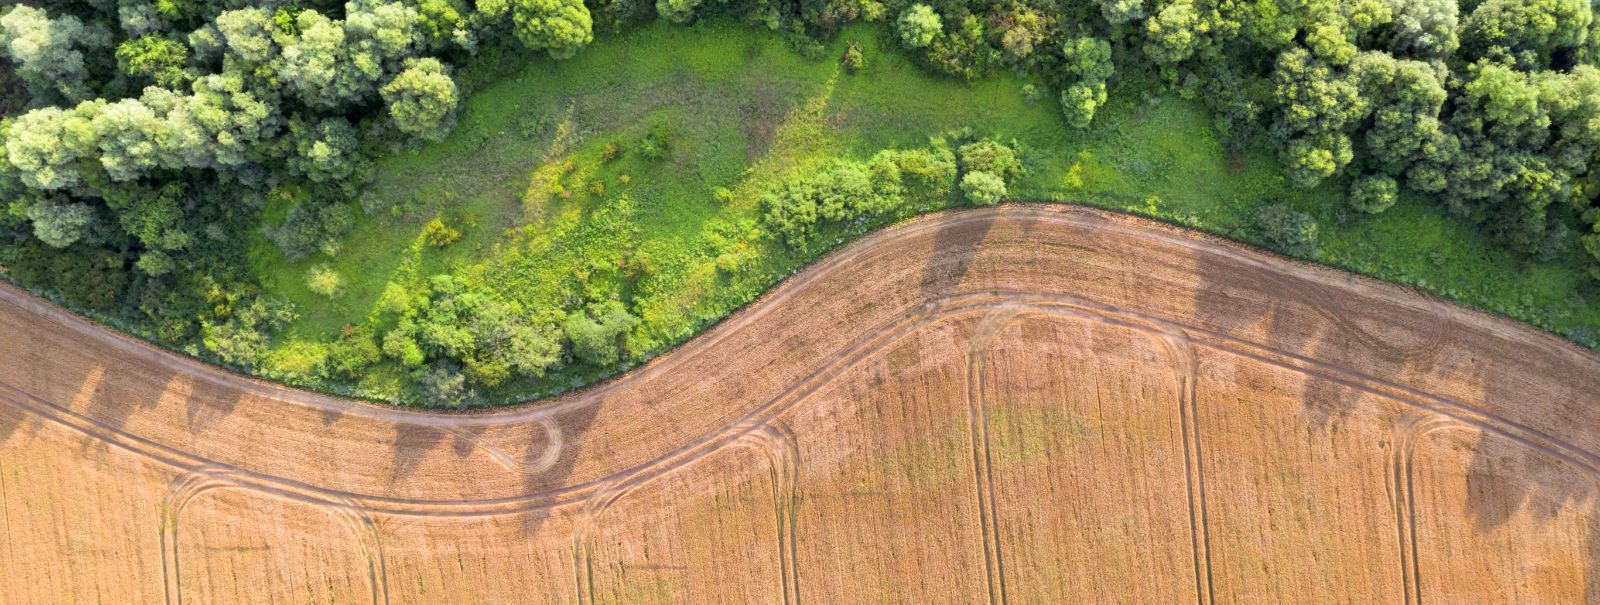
<point x="1030" y="404"/>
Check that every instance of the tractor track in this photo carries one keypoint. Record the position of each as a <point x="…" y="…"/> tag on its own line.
<point x="1430" y="338"/>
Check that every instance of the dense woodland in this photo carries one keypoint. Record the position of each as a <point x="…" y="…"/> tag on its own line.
<point x="143" y="137"/>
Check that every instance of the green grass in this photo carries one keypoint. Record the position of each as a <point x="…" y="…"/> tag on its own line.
<point x="744" y="111"/>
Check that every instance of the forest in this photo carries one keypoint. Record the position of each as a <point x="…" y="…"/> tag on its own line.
<point x="218" y="176"/>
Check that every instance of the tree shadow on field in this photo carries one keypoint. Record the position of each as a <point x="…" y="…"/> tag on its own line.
<point x="1346" y="337"/>
<point x="523" y="455"/>
<point x="1510" y="484"/>
<point x="1512" y="488"/>
<point x="573" y="424"/>
<point x="12" y="421"/>
<point x="411" y="443"/>
<point x="202" y="411"/>
<point x="1277" y="312"/>
<point x="955" y="247"/>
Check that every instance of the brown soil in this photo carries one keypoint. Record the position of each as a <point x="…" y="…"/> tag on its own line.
<point x="1034" y="404"/>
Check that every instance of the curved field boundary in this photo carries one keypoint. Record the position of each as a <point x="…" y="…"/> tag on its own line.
<point x="584" y="452"/>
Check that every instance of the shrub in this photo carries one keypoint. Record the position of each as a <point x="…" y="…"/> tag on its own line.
<point x="610" y="152"/>
<point x="355" y="350"/>
<point x="842" y="192"/>
<point x="991" y="157"/>
<point x="400" y="346"/>
<point x="241" y="338"/>
<point x="657" y="143"/>
<point x="1287" y="229"/>
<point x="964" y="50"/>
<point x="443" y="385"/>
<point x="310" y="228"/>
<point x="1373" y="194"/>
<point x="1031" y="94"/>
<point x="597" y="334"/>
<point x="677" y="11"/>
<point x="394" y="299"/>
<point x="439" y="235"/>
<point x="790" y="211"/>
<point x="932" y="170"/>
<point x="1080" y="101"/>
<point x="490" y="339"/>
<point x="983" y="188"/>
<point x="323" y="280"/>
<point x="853" y="60"/>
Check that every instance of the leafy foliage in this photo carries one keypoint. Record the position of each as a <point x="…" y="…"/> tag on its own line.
<point x="422" y="99"/>
<point x="983" y="188"/>
<point x="1288" y="229"/>
<point x="597" y="334"/>
<point x="1374" y="194"/>
<point x="919" y="25"/>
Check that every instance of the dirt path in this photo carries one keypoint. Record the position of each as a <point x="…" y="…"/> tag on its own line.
<point x="1030" y="404"/>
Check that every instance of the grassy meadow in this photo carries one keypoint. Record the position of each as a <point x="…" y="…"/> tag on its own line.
<point x="632" y="172"/>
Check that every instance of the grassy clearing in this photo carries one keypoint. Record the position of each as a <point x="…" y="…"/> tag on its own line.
<point x="548" y="221"/>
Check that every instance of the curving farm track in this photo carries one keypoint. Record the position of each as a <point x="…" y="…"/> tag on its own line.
<point x="1026" y="404"/>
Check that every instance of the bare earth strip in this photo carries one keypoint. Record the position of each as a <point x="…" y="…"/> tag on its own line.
<point x="1029" y="404"/>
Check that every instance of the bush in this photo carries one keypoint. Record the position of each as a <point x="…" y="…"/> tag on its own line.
<point x="395" y="298"/>
<point x="597" y="334"/>
<point x="930" y="170"/>
<point x="241" y="338"/>
<point x="853" y="60"/>
<point x="1287" y="229"/>
<point x="991" y="157"/>
<point x="983" y="188"/>
<point x="1080" y="101"/>
<point x="491" y="340"/>
<point x="844" y="191"/>
<point x="1373" y="194"/>
<point x="311" y="228"/>
<point x="677" y="11"/>
<point x="354" y="351"/>
<point x="1031" y="94"/>
<point x="657" y="143"/>
<point x="323" y="280"/>
<point x="400" y="346"/>
<point x="438" y="235"/>
<point x="790" y="212"/>
<point x="443" y="385"/>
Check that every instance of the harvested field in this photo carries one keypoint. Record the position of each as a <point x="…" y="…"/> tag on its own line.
<point x="1029" y="404"/>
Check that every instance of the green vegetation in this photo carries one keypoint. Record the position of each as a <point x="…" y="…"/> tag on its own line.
<point x="389" y="198"/>
<point x="702" y="188"/>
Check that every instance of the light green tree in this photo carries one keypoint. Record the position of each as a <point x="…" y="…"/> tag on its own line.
<point x="919" y="25"/>
<point x="60" y="225"/>
<point x="422" y="99"/>
<point x="49" y="53"/>
<point x="560" y="27"/>
<point x="983" y="188"/>
<point x="155" y="59"/>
